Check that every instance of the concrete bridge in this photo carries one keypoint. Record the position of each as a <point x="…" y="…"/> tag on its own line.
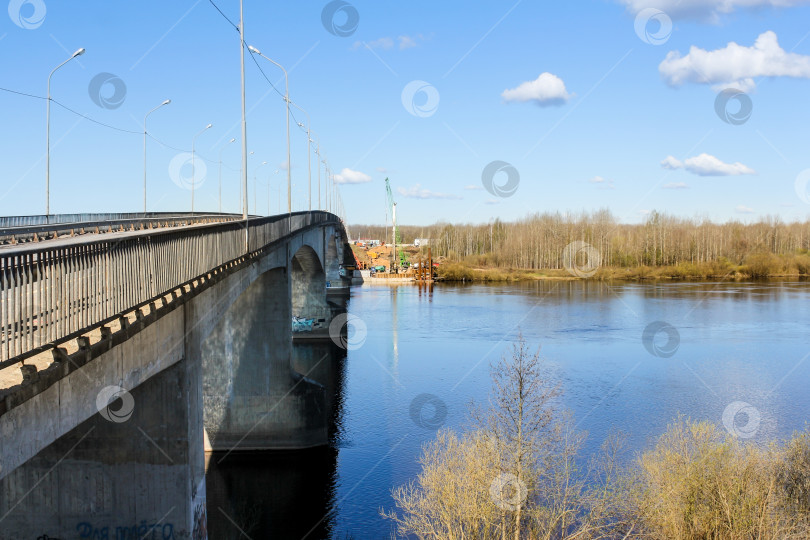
<point x="131" y="344"/>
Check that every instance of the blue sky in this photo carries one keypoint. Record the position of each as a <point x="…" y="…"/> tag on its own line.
<point x="590" y="113"/>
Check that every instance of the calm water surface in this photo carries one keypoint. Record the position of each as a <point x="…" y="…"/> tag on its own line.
<point x="739" y="342"/>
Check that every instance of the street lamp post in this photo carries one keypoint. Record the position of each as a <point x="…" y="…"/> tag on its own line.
<point x="326" y="187"/>
<point x="48" y="136"/>
<point x="318" y="163"/>
<point x="193" y="170"/>
<point x="320" y="206"/>
<point x="244" y="182"/>
<point x="220" y="172"/>
<point x="245" y="198"/>
<point x="309" y="152"/>
<point x="254" y="50"/>
<point x="144" y="150"/>
<point x="335" y="196"/>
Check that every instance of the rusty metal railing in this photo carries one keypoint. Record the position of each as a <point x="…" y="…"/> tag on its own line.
<point x="52" y="290"/>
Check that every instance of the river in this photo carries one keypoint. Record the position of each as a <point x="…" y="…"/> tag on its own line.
<point x="732" y="353"/>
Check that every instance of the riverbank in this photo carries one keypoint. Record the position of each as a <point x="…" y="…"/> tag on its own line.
<point x="766" y="266"/>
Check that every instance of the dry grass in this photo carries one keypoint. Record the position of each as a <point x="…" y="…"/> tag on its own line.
<point x="461" y="272"/>
<point x="755" y="266"/>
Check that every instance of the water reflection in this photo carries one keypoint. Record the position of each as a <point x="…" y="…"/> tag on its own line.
<point x="737" y="343"/>
<point x="283" y="494"/>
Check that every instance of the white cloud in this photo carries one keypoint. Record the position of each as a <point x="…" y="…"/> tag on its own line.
<point x="387" y="43"/>
<point x="348" y="176"/>
<point x="473" y="187"/>
<point x="644" y="212"/>
<point x="406" y="42"/>
<point x="382" y="43"/>
<point x="493" y="201"/>
<point x="671" y="163"/>
<point x="743" y="210"/>
<point x="416" y="192"/>
<point x="705" y="10"/>
<point x="735" y="65"/>
<point x="676" y="185"/>
<point x="602" y="182"/>
<point x="707" y="165"/>
<point x="546" y="90"/>
<point x="382" y="170"/>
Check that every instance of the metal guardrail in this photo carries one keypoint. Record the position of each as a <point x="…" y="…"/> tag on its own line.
<point x="30" y="221"/>
<point x="52" y="290"/>
<point x="72" y="224"/>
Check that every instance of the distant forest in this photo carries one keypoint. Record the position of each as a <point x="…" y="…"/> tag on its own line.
<point x="538" y="241"/>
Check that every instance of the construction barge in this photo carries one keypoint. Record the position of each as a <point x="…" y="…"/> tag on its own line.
<point x="376" y="261"/>
<point x="374" y="264"/>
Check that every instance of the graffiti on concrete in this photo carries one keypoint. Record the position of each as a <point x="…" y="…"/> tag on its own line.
<point x="142" y="531"/>
<point x="200" y="523"/>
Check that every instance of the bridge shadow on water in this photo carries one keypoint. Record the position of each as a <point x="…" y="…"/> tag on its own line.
<point x="286" y="493"/>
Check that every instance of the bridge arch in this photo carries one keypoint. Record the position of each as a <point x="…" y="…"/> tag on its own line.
<point x="309" y="287"/>
<point x="249" y="383"/>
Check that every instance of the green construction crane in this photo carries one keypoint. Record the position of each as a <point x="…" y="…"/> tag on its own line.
<point x="397" y="240"/>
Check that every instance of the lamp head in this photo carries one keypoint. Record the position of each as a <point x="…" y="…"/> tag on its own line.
<point x="166" y="102"/>
<point x="232" y="140"/>
<point x="253" y="49"/>
<point x="78" y="53"/>
<point x="209" y="126"/>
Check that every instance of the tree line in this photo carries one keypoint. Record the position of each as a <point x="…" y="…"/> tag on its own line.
<point x="538" y="241"/>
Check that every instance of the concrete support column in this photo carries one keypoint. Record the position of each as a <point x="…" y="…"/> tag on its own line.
<point x="253" y="398"/>
<point x="309" y="291"/>
<point x="332" y="257"/>
<point x="134" y="470"/>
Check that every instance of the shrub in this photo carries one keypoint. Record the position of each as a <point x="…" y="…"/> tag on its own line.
<point x="454" y="272"/>
<point x="762" y="265"/>
<point x="698" y="482"/>
<point x="802" y="263"/>
<point x="450" y="497"/>
<point x="793" y="473"/>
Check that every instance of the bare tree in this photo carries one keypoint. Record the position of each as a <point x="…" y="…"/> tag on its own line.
<point x="537" y="241"/>
<point x="520" y="424"/>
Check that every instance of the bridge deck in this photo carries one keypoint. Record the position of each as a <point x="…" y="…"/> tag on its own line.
<point x="56" y="291"/>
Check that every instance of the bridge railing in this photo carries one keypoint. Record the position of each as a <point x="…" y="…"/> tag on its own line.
<point x="32" y="221"/>
<point x="18" y="229"/>
<point x="52" y="291"/>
